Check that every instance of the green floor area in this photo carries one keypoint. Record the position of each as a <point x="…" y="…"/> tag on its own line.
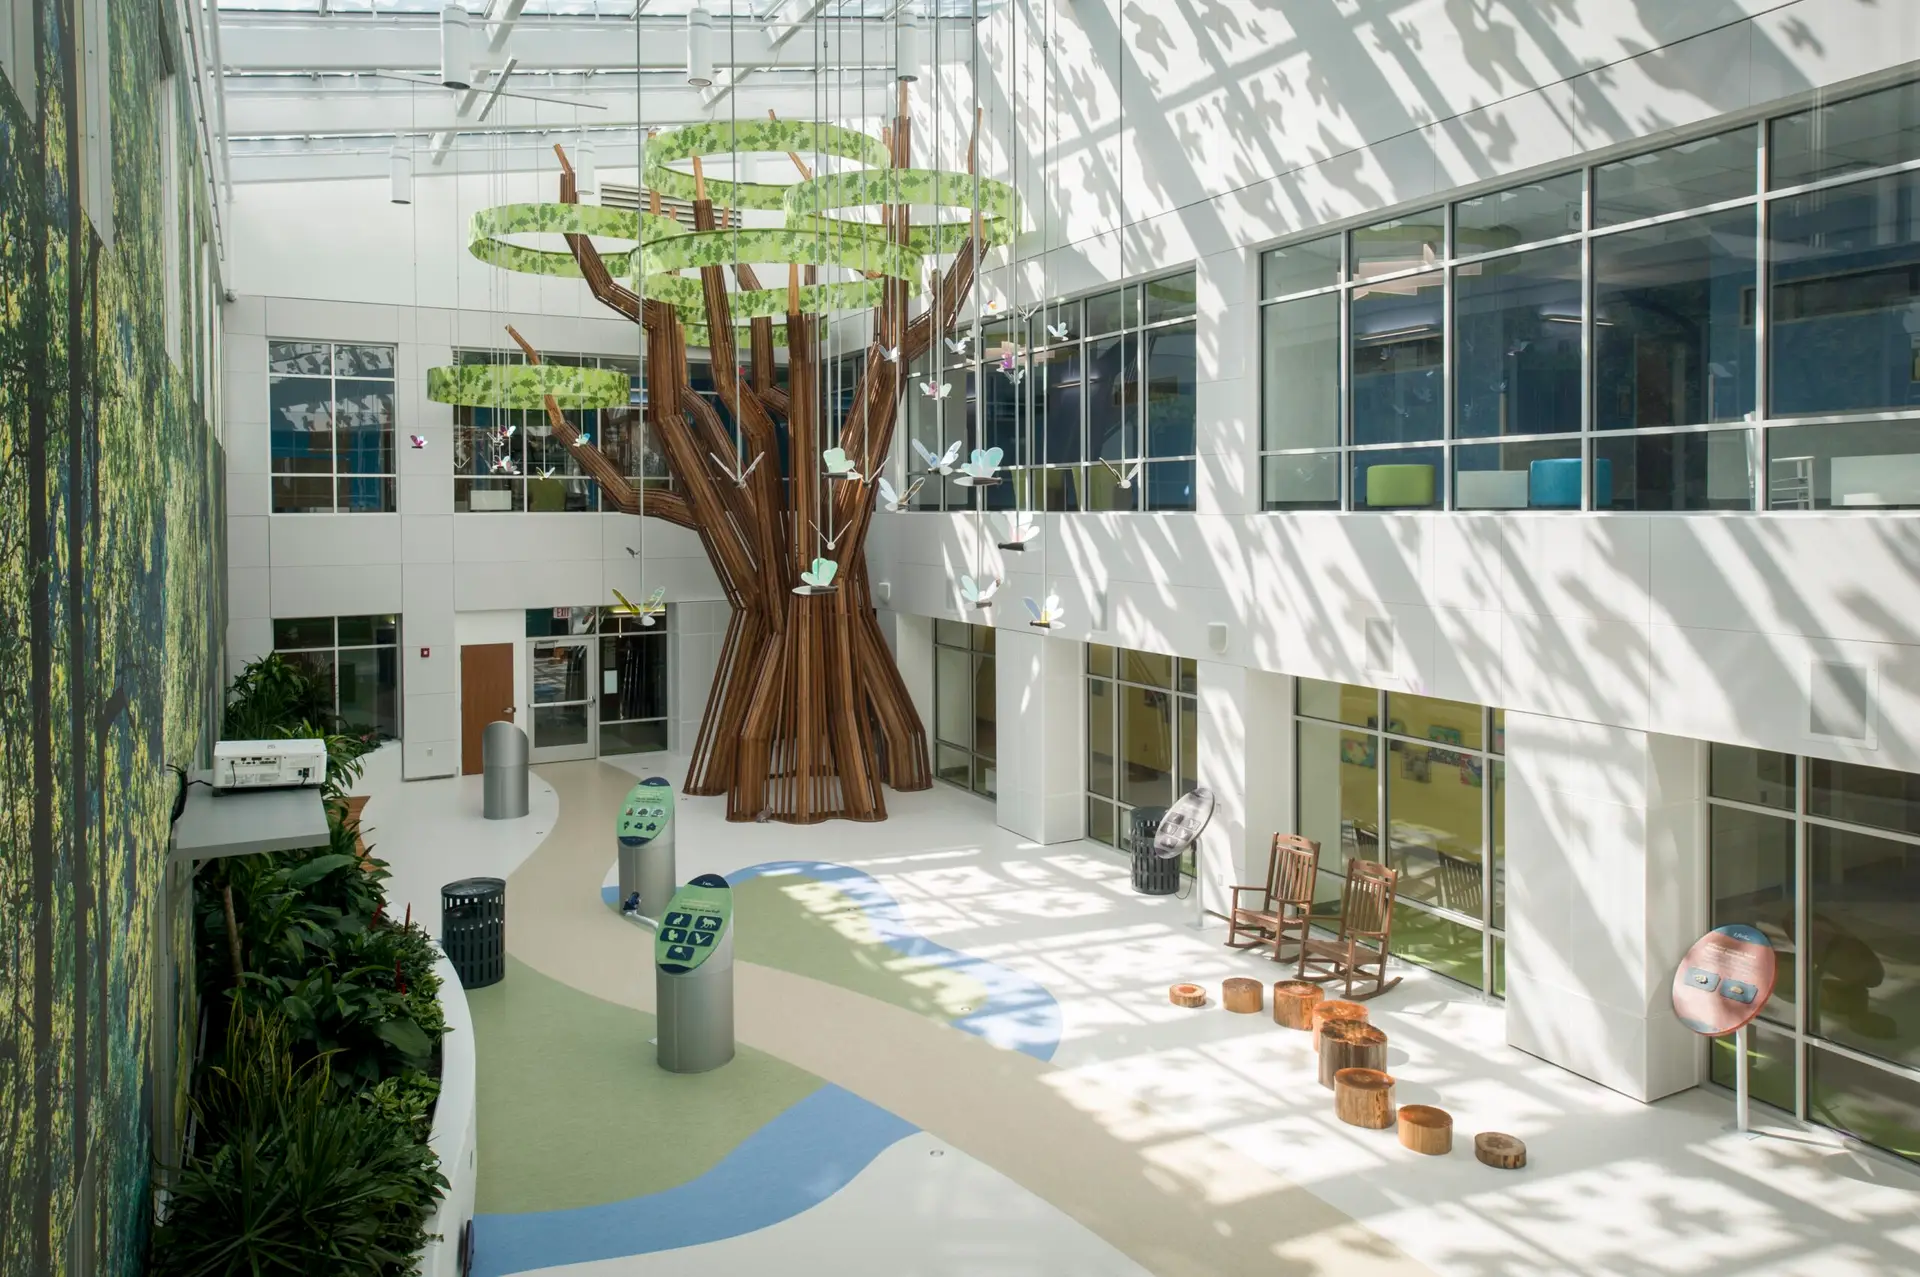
<point x="573" y="1110"/>
<point x="814" y="929"/>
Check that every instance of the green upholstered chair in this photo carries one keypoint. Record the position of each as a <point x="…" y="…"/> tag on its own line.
<point x="1399" y="485"/>
<point x="547" y="495"/>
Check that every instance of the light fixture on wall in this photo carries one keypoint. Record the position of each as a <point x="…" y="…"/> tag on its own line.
<point x="586" y="181"/>
<point x="456" y="47"/>
<point x="882" y="591"/>
<point x="400" y="167"/>
<point x="909" y="56"/>
<point x="1217" y="635"/>
<point x="699" y="47"/>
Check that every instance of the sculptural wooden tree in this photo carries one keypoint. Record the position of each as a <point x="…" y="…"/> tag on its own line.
<point x="808" y="714"/>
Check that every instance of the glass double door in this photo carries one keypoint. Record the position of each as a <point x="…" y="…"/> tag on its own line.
<point x="565" y="725"/>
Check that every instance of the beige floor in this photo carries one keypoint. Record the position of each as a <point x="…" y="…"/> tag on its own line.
<point x="1195" y="1142"/>
<point x="1001" y="1107"/>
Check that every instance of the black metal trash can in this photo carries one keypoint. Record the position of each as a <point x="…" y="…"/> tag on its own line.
<point x="473" y="929"/>
<point x="1152" y="876"/>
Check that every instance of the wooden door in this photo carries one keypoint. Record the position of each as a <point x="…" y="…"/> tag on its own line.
<point x="486" y="696"/>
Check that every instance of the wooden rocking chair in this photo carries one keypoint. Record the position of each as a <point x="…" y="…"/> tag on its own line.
<point x="1285" y="899"/>
<point x="1360" y="950"/>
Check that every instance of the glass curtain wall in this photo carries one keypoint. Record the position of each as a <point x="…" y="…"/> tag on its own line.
<point x="1091" y="402"/>
<point x="358" y="657"/>
<point x="966" y="709"/>
<point x="1596" y="339"/>
<point x="331" y="407"/>
<point x="633" y="683"/>
<point x="1425" y="796"/>
<point x="1142" y="736"/>
<point x="545" y="477"/>
<point x="1824" y="859"/>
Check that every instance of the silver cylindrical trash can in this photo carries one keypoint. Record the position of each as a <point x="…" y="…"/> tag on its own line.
<point x="503" y="767"/>
<point x="693" y="977"/>
<point x="643" y="836"/>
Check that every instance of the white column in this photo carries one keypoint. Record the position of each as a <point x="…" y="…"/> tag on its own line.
<point x="1041" y="693"/>
<point x="1227" y="384"/>
<point x="1246" y="758"/>
<point x="911" y="638"/>
<point x="1606" y="888"/>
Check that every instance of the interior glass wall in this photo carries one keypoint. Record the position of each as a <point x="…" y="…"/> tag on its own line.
<point x="1090" y="400"/>
<point x="531" y="469"/>
<point x="1142" y="736"/>
<point x="633" y="683"/>
<point x="606" y="686"/>
<point x="1426" y="796"/>
<point x="1824" y="858"/>
<point x="1596" y="339"/>
<point x="358" y="657"/>
<point x="966" y="708"/>
<point x="331" y="406"/>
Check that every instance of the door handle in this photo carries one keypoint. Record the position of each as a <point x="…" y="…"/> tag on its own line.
<point x="509" y="710"/>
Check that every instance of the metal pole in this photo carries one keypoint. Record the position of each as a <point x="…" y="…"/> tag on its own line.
<point x="1740" y="1090"/>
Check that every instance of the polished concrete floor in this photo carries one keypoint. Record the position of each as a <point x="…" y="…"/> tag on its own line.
<point x="958" y="1060"/>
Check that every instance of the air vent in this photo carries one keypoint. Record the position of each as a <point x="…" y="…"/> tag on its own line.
<point x="1840" y="701"/>
<point x="614" y="195"/>
<point x="1379" y="645"/>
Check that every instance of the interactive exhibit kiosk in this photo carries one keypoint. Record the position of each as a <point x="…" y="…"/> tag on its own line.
<point x="644" y="834"/>
<point x="693" y="977"/>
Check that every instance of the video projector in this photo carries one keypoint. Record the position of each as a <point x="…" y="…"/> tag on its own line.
<point x="269" y="764"/>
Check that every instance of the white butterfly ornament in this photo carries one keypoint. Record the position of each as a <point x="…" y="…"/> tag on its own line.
<point x="819" y="578"/>
<point x="1021" y="529"/>
<point x="1046" y="616"/>
<point x="941" y="464"/>
<point x="1058" y="331"/>
<point x="936" y="389"/>
<point x="981" y="469"/>
<point x="1125" y="477"/>
<point x="897" y="501"/>
<point x="976" y="594"/>
<point x="839" y="465"/>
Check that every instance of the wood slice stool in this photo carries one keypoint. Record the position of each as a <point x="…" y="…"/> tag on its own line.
<point x="1425" y="1129"/>
<point x="1500" y="1151"/>
<point x="1350" y="1044"/>
<point x="1363" y="1097"/>
<point x="1242" y="995"/>
<point x="1294" y="1002"/>
<point x="1187" y="995"/>
<point x="1334" y="1009"/>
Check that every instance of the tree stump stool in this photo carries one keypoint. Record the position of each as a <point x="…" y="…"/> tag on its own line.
<point x="1363" y="1097"/>
<point x="1242" y="995"/>
<point x="1425" y="1129"/>
<point x="1350" y="1044"/>
<point x="1294" y="1002"/>
<point x="1500" y="1151"/>
<point x="1334" y="1009"/>
<point x="1187" y="995"/>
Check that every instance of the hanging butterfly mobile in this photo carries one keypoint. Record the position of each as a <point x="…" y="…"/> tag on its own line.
<point x="981" y="470"/>
<point x="818" y="579"/>
<point x="1020" y="530"/>
<point x="840" y="465"/>
<point x="649" y="612"/>
<point x="897" y="501"/>
<point x="977" y="595"/>
<point x="1046" y="616"/>
<point x="941" y="464"/>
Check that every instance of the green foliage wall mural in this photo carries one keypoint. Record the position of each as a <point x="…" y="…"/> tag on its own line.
<point x="111" y="613"/>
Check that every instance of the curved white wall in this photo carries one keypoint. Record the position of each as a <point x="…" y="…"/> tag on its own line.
<point x="455" y="1137"/>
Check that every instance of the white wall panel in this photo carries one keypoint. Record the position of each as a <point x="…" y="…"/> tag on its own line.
<point x="333" y="590"/>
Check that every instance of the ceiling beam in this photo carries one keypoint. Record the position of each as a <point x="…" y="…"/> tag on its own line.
<point x="276" y="43"/>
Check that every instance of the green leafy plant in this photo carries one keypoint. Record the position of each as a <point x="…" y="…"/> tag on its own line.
<point x="291" y="1180"/>
<point x="273" y="693"/>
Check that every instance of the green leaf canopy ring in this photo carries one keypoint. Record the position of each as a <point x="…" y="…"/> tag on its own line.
<point x="528" y="385"/>
<point x="486" y="228"/>
<point x="999" y="205"/>
<point x="750" y="137"/>
<point x="848" y="244"/>
<point x="683" y="292"/>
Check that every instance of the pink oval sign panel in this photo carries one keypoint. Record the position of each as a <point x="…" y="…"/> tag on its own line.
<point x="1724" y="980"/>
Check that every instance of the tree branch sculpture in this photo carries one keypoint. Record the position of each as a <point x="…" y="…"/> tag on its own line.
<point x="808" y="715"/>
